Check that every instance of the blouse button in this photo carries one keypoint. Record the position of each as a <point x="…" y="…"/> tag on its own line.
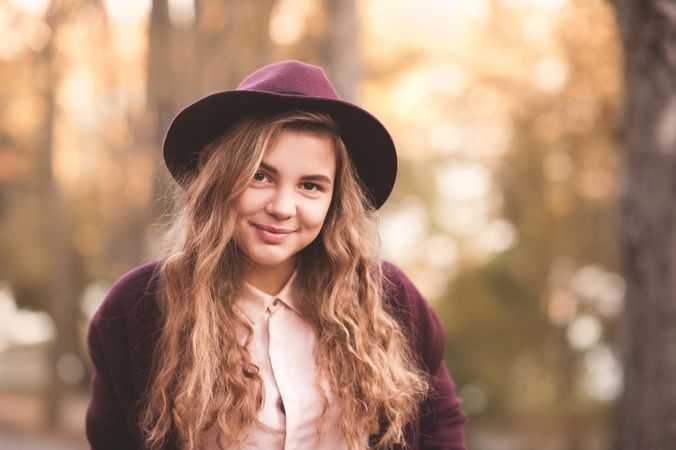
<point x="250" y="371"/>
<point x="275" y="303"/>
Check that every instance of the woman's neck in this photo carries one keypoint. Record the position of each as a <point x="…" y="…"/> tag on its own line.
<point x="270" y="279"/>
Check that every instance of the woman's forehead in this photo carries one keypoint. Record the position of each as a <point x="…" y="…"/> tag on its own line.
<point x="295" y="150"/>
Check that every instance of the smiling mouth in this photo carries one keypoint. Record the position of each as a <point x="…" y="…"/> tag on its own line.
<point x="273" y="229"/>
<point x="271" y="235"/>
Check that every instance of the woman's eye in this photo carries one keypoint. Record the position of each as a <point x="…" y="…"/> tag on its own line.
<point x="310" y="187"/>
<point x="259" y="176"/>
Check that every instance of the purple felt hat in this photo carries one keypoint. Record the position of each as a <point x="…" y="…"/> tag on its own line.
<point x="283" y="86"/>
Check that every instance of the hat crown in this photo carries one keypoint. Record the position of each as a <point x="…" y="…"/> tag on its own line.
<point x="290" y="77"/>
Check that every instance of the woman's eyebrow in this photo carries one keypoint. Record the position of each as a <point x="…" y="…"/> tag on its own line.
<point x="268" y="167"/>
<point x="314" y="177"/>
<point x="319" y="178"/>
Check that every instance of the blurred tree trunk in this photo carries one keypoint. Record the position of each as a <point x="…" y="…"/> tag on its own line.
<point x="160" y="109"/>
<point x="232" y="40"/>
<point x="160" y="73"/>
<point x="61" y="292"/>
<point x="339" y="52"/>
<point x="646" y="416"/>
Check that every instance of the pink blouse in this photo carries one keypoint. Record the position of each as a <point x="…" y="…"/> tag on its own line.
<point x="283" y="348"/>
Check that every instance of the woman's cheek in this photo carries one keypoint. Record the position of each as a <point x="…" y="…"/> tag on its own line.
<point x="319" y="213"/>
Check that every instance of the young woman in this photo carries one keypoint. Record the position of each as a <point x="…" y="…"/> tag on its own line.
<point x="271" y="322"/>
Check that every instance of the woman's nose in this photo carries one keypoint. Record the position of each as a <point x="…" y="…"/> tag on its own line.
<point x="281" y="204"/>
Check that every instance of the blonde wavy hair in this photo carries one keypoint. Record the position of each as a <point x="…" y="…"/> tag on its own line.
<point x="202" y="373"/>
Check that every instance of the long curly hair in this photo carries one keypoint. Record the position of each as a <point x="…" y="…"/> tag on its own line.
<point x="201" y="375"/>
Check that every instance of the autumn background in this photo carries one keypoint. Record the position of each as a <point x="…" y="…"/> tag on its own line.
<point x="507" y="115"/>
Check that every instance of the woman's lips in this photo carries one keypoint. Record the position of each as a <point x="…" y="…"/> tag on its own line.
<point x="272" y="235"/>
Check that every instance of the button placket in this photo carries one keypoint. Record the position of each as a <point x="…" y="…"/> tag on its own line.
<point x="277" y="347"/>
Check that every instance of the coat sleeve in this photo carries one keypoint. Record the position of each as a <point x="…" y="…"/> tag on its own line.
<point x="106" y="425"/>
<point x="115" y="338"/>
<point x="441" y="421"/>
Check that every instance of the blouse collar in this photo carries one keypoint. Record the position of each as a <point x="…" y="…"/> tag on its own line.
<point x="255" y="302"/>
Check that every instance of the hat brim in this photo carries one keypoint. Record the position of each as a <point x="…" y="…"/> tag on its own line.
<point x="367" y="140"/>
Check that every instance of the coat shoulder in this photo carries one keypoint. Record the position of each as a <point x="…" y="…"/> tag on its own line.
<point x="412" y="310"/>
<point x="128" y="292"/>
<point x="400" y="291"/>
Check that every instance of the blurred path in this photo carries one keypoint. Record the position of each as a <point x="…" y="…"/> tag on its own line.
<point x="22" y="424"/>
<point x="10" y="440"/>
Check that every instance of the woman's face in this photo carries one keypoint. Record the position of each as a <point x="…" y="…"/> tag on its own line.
<point x="283" y="209"/>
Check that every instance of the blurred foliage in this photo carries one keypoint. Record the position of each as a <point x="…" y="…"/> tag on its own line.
<point x="558" y="184"/>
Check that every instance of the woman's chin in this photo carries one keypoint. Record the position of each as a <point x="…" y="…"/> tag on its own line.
<point x="272" y="261"/>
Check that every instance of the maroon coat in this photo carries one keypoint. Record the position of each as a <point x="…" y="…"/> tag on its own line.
<point x="123" y="332"/>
